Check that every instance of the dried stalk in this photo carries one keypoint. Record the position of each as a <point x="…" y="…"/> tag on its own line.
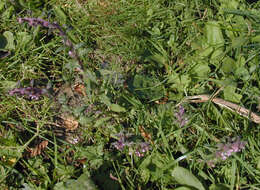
<point x="228" y="105"/>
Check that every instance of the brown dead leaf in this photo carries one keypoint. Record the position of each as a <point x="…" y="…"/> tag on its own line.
<point x="38" y="149"/>
<point x="70" y="123"/>
<point x="80" y="89"/>
<point x="145" y="135"/>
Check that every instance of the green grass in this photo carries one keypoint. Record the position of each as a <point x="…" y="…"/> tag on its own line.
<point x="141" y="59"/>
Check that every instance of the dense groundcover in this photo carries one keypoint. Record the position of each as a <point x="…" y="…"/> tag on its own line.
<point x="129" y="94"/>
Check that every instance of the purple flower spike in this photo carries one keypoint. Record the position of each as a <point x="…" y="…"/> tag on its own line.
<point x="47" y="24"/>
<point x="30" y="92"/>
<point x="180" y="116"/>
<point x="122" y="142"/>
<point x="226" y="150"/>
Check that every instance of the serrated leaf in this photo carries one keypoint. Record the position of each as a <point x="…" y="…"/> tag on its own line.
<point x="185" y="177"/>
<point x="117" y="108"/>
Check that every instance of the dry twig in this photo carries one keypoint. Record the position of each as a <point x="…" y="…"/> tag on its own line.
<point x="223" y="103"/>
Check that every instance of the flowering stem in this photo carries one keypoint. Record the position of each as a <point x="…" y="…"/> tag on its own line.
<point x="46" y="24"/>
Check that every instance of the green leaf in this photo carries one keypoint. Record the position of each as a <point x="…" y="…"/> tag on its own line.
<point x="185" y="177"/>
<point x="215" y="38"/>
<point x="231" y="95"/>
<point x="184" y="188"/>
<point x="117" y="108"/>
<point x="242" y="72"/>
<point x="147" y="88"/>
<point x="214" y="34"/>
<point x="83" y="183"/>
<point x="10" y="40"/>
<point x="180" y="82"/>
<point x="218" y="187"/>
<point x="201" y="70"/>
<point x="228" y="65"/>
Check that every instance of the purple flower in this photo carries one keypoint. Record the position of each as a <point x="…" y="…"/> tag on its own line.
<point x="226" y="150"/>
<point x="30" y="92"/>
<point x="122" y="141"/>
<point x="181" y="119"/>
<point x="139" y="148"/>
<point x="47" y="24"/>
<point x="142" y="148"/>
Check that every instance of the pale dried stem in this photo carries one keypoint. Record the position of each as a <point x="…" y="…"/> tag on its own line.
<point x="228" y="105"/>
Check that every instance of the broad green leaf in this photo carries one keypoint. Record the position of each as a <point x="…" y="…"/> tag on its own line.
<point x="10" y="40"/>
<point x="215" y="38"/>
<point x="117" y="108"/>
<point x="228" y="65"/>
<point x="148" y="88"/>
<point x="231" y="4"/>
<point x="184" y="188"/>
<point x="180" y="82"/>
<point x="185" y="177"/>
<point x="242" y="73"/>
<point x="214" y="34"/>
<point x="83" y="183"/>
<point x="218" y="187"/>
<point x="201" y="70"/>
<point x="231" y="95"/>
<point x="205" y="52"/>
